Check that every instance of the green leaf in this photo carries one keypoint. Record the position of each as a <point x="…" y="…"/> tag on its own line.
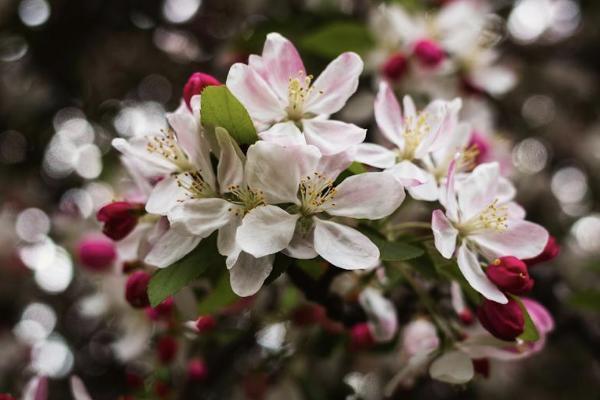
<point x="395" y="251"/>
<point x="337" y="38"/>
<point x="357" y="168"/>
<point x="530" y="332"/>
<point x="168" y="281"/>
<point x="220" y="297"/>
<point x="220" y="108"/>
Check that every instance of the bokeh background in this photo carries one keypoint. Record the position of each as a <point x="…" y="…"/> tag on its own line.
<point x="74" y="74"/>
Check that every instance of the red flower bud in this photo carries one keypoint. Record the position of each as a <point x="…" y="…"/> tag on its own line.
<point x="136" y="289"/>
<point x="466" y="316"/>
<point x="429" y="53"/>
<point x="510" y="275"/>
<point x="119" y="217"/>
<point x="361" y="337"/>
<point x="166" y="349"/>
<point x="395" y="67"/>
<point x="161" y="311"/>
<point x="205" y="323"/>
<point x="96" y="253"/>
<point x="551" y="251"/>
<point x="196" y="84"/>
<point x="505" y="321"/>
<point x="197" y="370"/>
<point x="6" y="396"/>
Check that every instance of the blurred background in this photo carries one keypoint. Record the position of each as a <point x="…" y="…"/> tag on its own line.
<point x="74" y="74"/>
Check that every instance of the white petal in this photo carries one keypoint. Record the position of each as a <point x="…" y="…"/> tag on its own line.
<point x="248" y="274"/>
<point x="371" y="195"/>
<point x="332" y="166"/>
<point x="436" y="117"/>
<point x="448" y="197"/>
<point x="495" y="80"/>
<point x="427" y="189"/>
<point x="285" y="134"/>
<point x="230" y="170"/>
<point x="388" y="115"/>
<point x="381" y="313"/>
<point x="255" y="94"/>
<point x="444" y="234"/>
<point x="190" y="138"/>
<point x="201" y="217"/>
<point x="171" y="247"/>
<point x="164" y="196"/>
<point x="374" y="155"/>
<point x="226" y="243"/>
<point x="282" y="62"/>
<point x="276" y="170"/>
<point x="343" y="246"/>
<point x="78" y="389"/>
<point x="266" y="230"/>
<point x="453" y="367"/>
<point x="335" y="85"/>
<point x="302" y="246"/>
<point x="410" y="111"/>
<point x="478" y="190"/>
<point x="136" y="148"/>
<point x="522" y="239"/>
<point x="471" y="270"/>
<point x="332" y="137"/>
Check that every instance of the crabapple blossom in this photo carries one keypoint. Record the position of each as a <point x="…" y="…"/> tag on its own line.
<point x="383" y="321"/>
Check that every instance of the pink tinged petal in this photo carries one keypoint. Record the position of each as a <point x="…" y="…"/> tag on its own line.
<point x="436" y="117"/>
<point x="332" y="137"/>
<point x="453" y="367"/>
<point x="410" y="111"/>
<point x="186" y="129"/>
<point x="335" y="85"/>
<point x="521" y="239"/>
<point x="230" y="171"/>
<point x="285" y="134"/>
<point x="257" y="64"/>
<point x="484" y="345"/>
<point x="281" y="62"/>
<point x="255" y="94"/>
<point x="374" y="155"/>
<point x="201" y="217"/>
<point x="449" y="199"/>
<point x="302" y="246"/>
<point x="266" y="230"/>
<point x="444" y="234"/>
<point x="276" y="170"/>
<point x="164" y="196"/>
<point x="515" y="211"/>
<point x="382" y="314"/>
<point x="371" y="195"/>
<point x="471" y="270"/>
<point x="171" y="247"/>
<point x="78" y="389"/>
<point x="540" y="316"/>
<point x="505" y="191"/>
<point x="426" y="189"/>
<point x="136" y="148"/>
<point x="388" y="115"/>
<point x="248" y="273"/>
<point x="478" y="190"/>
<point x="343" y="246"/>
<point x="332" y="166"/>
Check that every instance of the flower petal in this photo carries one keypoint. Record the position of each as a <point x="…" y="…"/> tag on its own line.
<point x="230" y="171"/>
<point x="371" y="195"/>
<point x="478" y="190"/>
<point x="248" y="273"/>
<point x="164" y="196"/>
<point x="171" y="247"/>
<point x="201" y="217"/>
<point x="335" y="85"/>
<point x="282" y="61"/>
<point x="136" y="148"/>
<point x="471" y="270"/>
<point x="388" y="115"/>
<point x="285" y="134"/>
<point x="522" y="239"/>
<point x="226" y="243"/>
<point x="276" y="170"/>
<point x="407" y="171"/>
<point x="266" y="230"/>
<point x="444" y="234"/>
<point x="343" y="246"/>
<point x="302" y="246"/>
<point x="374" y="155"/>
<point x="332" y="137"/>
<point x="452" y="367"/>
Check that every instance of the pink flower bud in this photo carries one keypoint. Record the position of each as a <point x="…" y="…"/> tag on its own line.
<point x="466" y="316"/>
<point x="361" y="337"/>
<point x="205" y="323"/>
<point x="96" y="253"/>
<point x="161" y="311"/>
<point x="505" y="321"/>
<point x="136" y="289"/>
<point x="394" y="67"/>
<point x="196" y="84"/>
<point x="119" y="217"/>
<point x="419" y="336"/>
<point x="551" y="251"/>
<point x="166" y="349"/>
<point x="510" y="275"/>
<point x="197" y="370"/>
<point x="429" y="53"/>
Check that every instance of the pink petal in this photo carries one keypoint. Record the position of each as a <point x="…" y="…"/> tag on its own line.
<point x="522" y="239"/>
<point x="374" y="155"/>
<point x="332" y="137"/>
<point x="478" y="190"/>
<point x="444" y="234"/>
<point x="388" y="115"/>
<point x="471" y="270"/>
<point x="281" y="62"/>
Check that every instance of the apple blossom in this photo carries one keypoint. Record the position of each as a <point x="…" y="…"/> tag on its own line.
<point x="383" y="321"/>
<point x="287" y="106"/>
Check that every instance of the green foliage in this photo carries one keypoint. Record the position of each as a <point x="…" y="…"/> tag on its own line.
<point x="219" y="297"/>
<point x="338" y="37"/>
<point x="220" y="108"/>
<point x="586" y="299"/>
<point x="315" y="267"/>
<point x="530" y="332"/>
<point x="394" y="251"/>
<point x="168" y="281"/>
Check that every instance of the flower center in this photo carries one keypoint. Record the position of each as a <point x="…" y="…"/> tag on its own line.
<point x="414" y="132"/>
<point x="493" y="217"/>
<point x="466" y="162"/>
<point x="245" y="197"/>
<point x="299" y="88"/>
<point x="315" y="191"/>
<point x="195" y="185"/>
<point x="168" y="147"/>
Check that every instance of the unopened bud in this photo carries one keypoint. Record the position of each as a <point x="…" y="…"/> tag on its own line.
<point x="510" y="275"/>
<point x="120" y="218"/>
<point x="196" y="84"/>
<point x="136" y="289"/>
<point x="429" y="53"/>
<point x="96" y="253"/>
<point x="505" y="321"/>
